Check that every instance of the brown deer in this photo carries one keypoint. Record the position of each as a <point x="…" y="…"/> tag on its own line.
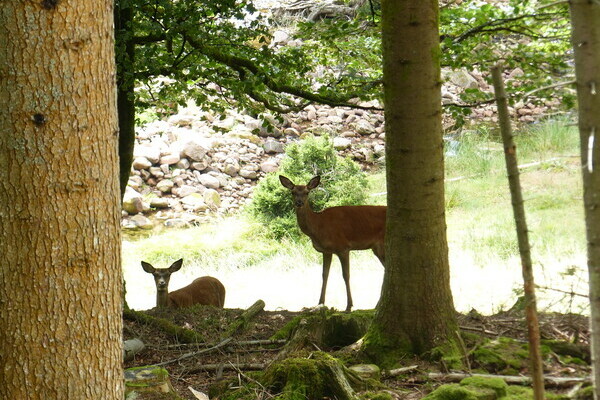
<point x="338" y="230"/>
<point x="205" y="290"/>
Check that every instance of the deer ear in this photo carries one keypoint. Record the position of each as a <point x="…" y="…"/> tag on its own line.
<point x="147" y="267"/>
<point x="176" y="266"/>
<point x="286" y="182"/>
<point x="314" y="182"/>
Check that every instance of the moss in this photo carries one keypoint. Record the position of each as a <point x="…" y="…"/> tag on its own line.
<point x="496" y="384"/>
<point x="587" y="393"/>
<point x="453" y="392"/>
<point x="519" y="393"/>
<point x="384" y="351"/>
<point x="286" y="331"/>
<point x="376" y="396"/>
<point x="343" y="329"/>
<point x="449" y="354"/>
<point x="320" y="376"/>
<point x="503" y="355"/>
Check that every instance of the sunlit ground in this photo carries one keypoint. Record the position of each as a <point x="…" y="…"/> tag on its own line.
<point x="284" y="285"/>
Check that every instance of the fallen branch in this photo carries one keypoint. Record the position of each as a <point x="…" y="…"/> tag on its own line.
<point x="242" y="321"/>
<point x="228" y="366"/>
<point x="556" y="381"/>
<point x="400" y="371"/>
<point x="196" y="353"/>
<point x="476" y="329"/>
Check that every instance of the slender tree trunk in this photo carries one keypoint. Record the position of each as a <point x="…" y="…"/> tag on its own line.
<point x="60" y="276"/>
<point x="512" y="168"/>
<point x="125" y="50"/>
<point x="415" y="312"/>
<point x="585" y="17"/>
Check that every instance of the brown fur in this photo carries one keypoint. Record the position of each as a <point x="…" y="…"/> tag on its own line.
<point x="338" y="230"/>
<point x="205" y="290"/>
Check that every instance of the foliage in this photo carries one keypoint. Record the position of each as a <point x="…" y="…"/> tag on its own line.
<point x="342" y="183"/>
<point x="219" y="54"/>
<point x="215" y="52"/>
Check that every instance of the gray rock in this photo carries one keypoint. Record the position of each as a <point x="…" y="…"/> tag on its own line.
<point x="132" y="201"/>
<point x="186" y="190"/>
<point x="165" y="186"/>
<point x="209" y="181"/>
<point x="194" y="202"/>
<point x="248" y="173"/>
<point x="341" y="143"/>
<point x="159" y="202"/>
<point x="270" y="165"/>
<point x="170" y="159"/>
<point x="148" y="151"/>
<point x="183" y="163"/>
<point x="141" y="163"/>
<point x="273" y="146"/>
<point x="194" y="150"/>
<point x="142" y="222"/>
<point x="212" y="198"/>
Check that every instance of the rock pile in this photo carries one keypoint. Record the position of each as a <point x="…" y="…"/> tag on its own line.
<point x="195" y="165"/>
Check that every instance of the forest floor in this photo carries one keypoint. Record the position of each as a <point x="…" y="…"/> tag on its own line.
<point x="249" y="351"/>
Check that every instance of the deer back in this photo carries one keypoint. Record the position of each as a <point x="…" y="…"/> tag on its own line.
<point x="205" y="290"/>
<point x="346" y="228"/>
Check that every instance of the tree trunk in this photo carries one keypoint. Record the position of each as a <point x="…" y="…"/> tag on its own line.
<point x="125" y="51"/>
<point x="516" y="195"/>
<point x="415" y="312"/>
<point x="586" y="44"/>
<point x="60" y="279"/>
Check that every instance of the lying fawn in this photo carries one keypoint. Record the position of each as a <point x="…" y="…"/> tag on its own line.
<point x="205" y="290"/>
<point x="338" y="230"/>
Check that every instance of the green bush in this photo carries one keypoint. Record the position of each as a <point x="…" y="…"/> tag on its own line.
<point x="342" y="183"/>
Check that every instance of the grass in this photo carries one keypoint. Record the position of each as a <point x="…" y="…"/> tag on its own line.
<point x="485" y="265"/>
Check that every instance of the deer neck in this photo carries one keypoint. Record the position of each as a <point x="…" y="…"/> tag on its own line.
<point x="162" y="298"/>
<point x="305" y="216"/>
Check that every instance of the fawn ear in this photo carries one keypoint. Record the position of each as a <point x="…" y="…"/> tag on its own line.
<point x="286" y="182"/>
<point x="147" y="267"/>
<point x="314" y="182"/>
<point x="176" y="266"/>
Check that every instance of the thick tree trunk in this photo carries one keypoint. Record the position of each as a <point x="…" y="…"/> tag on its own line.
<point x="415" y="312"/>
<point x="586" y="44"/>
<point x="60" y="278"/>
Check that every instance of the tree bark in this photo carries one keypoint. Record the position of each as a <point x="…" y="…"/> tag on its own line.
<point x="586" y="44"/>
<point x="415" y="312"/>
<point x="60" y="279"/>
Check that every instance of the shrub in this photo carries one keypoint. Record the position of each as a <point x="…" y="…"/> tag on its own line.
<point x="342" y="183"/>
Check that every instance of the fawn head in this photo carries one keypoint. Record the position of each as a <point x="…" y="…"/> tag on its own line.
<point x="300" y="192"/>
<point x="162" y="275"/>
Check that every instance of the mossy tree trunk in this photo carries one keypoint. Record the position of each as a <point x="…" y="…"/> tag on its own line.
<point x="416" y="311"/>
<point x="586" y="44"/>
<point x="60" y="276"/>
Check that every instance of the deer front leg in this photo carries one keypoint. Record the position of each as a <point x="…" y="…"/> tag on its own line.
<point x="345" y="260"/>
<point x="326" y="265"/>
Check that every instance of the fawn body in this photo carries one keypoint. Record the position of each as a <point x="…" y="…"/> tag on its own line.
<point x="338" y="230"/>
<point x="205" y="290"/>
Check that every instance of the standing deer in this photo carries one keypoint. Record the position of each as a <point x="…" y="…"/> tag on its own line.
<point x="338" y="230"/>
<point x="205" y="290"/>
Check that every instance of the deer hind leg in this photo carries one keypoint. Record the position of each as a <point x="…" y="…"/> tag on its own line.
<point x="379" y="250"/>
<point x="345" y="261"/>
<point x="326" y="264"/>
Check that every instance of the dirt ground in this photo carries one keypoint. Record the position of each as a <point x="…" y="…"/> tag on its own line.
<point x="248" y="350"/>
